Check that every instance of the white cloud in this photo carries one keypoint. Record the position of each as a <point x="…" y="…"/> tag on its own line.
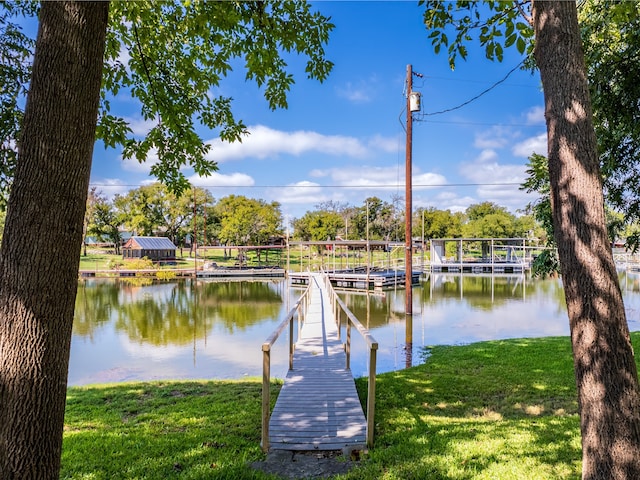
<point x="386" y="144"/>
<point x="354" y="94"/>
<point x="497" y="182"/>
<point x="317" y="173"/>
<point x="133" y="165"/>
<point x="427" y="180"/>
<point x="303" y="192"/>
<point x="487" y="155"/>
<point x="535" y="116"/>
<point x="495" y="137"/>
<point x="363" y="176"/>
<point x="378" y="177"/>
<point x="264" y="142"/>
<point x="216" y="179"/>
<point x="493" y="172"/>
<point x="537" y="144"/>
<point x="362" y="92"/>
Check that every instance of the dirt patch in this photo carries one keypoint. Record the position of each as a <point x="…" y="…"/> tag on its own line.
<point x="308" y="465"/>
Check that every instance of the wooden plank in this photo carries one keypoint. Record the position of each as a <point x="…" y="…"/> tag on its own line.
<point x="318" y="407"/>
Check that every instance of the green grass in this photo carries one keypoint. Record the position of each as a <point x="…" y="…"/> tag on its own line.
<point x="186" y="430"/>
<point x="491" y="410"/>
<point x="497" y="410"/>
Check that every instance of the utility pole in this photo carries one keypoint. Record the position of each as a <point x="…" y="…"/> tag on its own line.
<point x="413" y="105"/>
<point x="408" y="253"/>
<point x="194" y="244"/>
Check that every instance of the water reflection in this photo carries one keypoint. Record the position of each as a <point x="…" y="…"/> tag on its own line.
<point x="127" y="330"/>
<point x="457" y="309"/>
<point x="144" y="330"/>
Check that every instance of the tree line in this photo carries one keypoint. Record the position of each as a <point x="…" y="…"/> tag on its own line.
<point x="155" y="210"/>
<point x="377" y="219"/>
<point x="238" y="220"/>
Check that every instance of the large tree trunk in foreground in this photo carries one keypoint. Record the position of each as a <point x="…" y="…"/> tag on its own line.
<point x="43" y="234"/>
<point x="605" y="370"/>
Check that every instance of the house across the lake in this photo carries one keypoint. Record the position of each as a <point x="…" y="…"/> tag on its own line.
<point x="158" y="249"/>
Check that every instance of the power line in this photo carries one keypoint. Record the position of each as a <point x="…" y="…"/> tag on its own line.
<point x="473" y="99"/>
<point x="391" y="185"/>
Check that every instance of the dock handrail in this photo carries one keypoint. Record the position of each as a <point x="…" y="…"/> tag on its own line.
<point x="301" y="307"/>
<point x="372" y="344"/>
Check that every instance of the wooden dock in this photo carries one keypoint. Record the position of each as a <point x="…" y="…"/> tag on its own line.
<point x="318" y="407"/>
<point x="357" y="279"/>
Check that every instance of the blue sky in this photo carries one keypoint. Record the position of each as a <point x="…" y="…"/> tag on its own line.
<point x="344" y="140"/>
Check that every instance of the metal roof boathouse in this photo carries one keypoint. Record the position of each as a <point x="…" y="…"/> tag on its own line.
<point x="158" y="249"/>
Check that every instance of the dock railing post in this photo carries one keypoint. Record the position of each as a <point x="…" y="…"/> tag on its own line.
<point x="348" y="344"/>
<point x="371" y="395"/>
<point x="300" y="309"/>
<point x="291" y="345"/>
<point x="266" y="390"/>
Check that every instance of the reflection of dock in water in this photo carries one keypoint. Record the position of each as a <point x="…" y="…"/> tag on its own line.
<point x="241" y="273"/>
<point x="478" y="286"/>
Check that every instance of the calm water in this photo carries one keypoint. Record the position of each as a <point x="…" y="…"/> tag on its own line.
<point x="141" y="330"/>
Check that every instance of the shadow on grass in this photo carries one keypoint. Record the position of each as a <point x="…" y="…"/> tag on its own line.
<point x="499" y="410"/>
<point x="183" y="430"/>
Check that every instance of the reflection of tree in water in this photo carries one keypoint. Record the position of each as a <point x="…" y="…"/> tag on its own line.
<point x="163" y="313"/>
<point x="239" y="305"/>
<point x="487" y="292"/>
<point x="95" y="301"/>
<point x="376" y="314"/>
<point x="476" y="291"/>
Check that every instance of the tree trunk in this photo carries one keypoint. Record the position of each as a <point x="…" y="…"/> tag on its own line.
<point x="40" y="252"/>
<point x="605" y="371"/>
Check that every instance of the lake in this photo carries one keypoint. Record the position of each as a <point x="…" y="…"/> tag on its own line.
<point x="140" y="329"/>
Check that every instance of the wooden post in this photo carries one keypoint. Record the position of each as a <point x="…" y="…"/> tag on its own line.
<point x="371" y="395"/>
<point x="291" y="344"/>
<point x="348" y="345"/>
<point x="266" y="401"/>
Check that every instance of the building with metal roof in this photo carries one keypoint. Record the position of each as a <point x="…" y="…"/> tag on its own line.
<point x="158" y="249"/>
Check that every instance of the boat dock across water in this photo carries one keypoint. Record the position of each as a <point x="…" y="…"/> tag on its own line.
<point x="374" y="279"/>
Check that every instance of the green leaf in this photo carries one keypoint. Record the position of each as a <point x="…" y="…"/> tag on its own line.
<point x="179" y="52"/>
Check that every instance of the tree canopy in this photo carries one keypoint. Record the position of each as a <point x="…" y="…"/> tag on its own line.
<point x="15" y="71"/>
<point x="246" y="221"/>
<point x="610" y="31"/>
<point x="172" y="58"/>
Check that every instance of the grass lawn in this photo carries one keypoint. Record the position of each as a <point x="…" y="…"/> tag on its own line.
<point x="498" y="410"/>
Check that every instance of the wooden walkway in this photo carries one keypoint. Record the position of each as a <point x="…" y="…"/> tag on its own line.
<point x="318" y="407"/>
